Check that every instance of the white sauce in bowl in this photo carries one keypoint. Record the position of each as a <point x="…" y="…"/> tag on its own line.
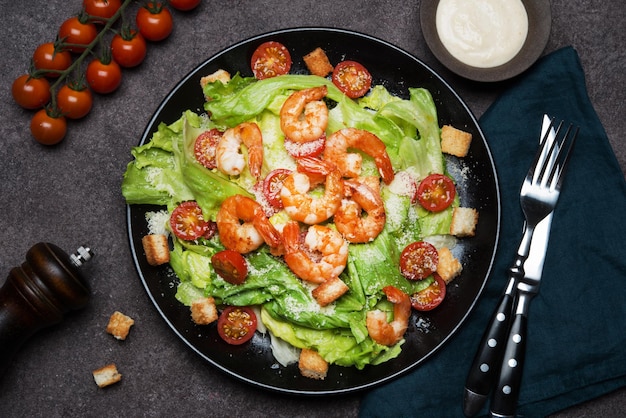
<point x="482" y="33"/>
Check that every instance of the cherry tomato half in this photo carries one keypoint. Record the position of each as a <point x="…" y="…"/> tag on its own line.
<point x="270" y="59"/>
<point x="184" y="5"/>
<point x="103" y="77"/>
<point x="48" y="129"/>
<point x="128" y="48"/>
<point x="436" y="192"/>
<point x="205" y="146"/>
<point x="77" y="32"/>
<point x="431" y="297"/>
<point x="352" y="78"/>
<point x="272" y="185"/>
<point x="74" y="103"/>
<point x="237" y="324"/>
<point x="418" y="260"/>
<point x="187" y="222"/>
<point x="154" y="21"/>
<point x="30" y="92"/>
<point x="101" y="9"/>
<point x="231" y="266"/>
<point x="47" y="56"/>
<point x="305" y="149"/>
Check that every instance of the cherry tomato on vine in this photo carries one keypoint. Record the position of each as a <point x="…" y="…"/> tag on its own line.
<point x="128" y="48"/>
<point x="103" y="77"/>
<point x="30" y="92"/>
<point x="230" y="266"/>
<point x="48" y="56"/>
<point x="237" y="324"/>
<point x="205" y="146"/>
<point x="47" y="128"/>
<point x="184" y="5"/>
<point x="101" y="9"/>
<point x="418" y="260"/>
<point x="187" y="222"/>
<point x="436" y="192"/>
<point x="431" y="297"/>
<point x="272" y="185"/>
<point x="352" y="78"/>
<point x="270" y="59"/>
<point x="154" y="21"/>
<point x="73" y="101"/>
<point x="77" y="31"/>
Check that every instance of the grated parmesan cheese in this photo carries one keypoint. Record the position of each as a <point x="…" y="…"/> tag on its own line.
<point x="157" y="222"/>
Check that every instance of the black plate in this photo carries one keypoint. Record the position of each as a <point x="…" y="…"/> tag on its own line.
<point x="539" y="23"/>
<point x="397" y="70"/>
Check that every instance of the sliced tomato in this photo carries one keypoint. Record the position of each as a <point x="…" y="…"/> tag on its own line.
<point x="418" y="260"/>
<point x="436" y="192"/>
<point x="211" y="230"/>
<point x="231" y="266"/>
<point x="237" y="324"/>
<point x="187" y="221"/>
<point x="270" y="59"/>
<point x="352" y="78"/>
<point x="305" y="149"/>
<point x="431" y="297"/>
<point x="205" y="146"/>
<point x="272" y="185"/>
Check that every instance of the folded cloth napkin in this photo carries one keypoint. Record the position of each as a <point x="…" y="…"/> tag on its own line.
<point x="577" y="323"/>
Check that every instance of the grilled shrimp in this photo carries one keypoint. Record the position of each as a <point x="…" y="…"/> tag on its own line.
<point x="349" y="163"/>
<point x="299" y="204"/>
<point x="228" y="156"/>
<point x="321" y="256"/>
<point x="349" y="220"/>
<point x="389" y="333"/>
<point x="304" y="116"/>
<point x="243" y="226"/>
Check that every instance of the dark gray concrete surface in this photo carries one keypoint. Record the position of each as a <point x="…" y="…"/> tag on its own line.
<point x="70" y="195"/>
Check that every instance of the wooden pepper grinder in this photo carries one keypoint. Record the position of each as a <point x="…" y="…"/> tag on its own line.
<point x="38" y="293"/>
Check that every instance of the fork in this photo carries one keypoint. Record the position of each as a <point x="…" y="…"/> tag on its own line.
<point x="538" y="197"/>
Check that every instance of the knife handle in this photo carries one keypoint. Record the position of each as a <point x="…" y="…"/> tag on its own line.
<point x="484" y="370"/>
<point x="507" y="391"/>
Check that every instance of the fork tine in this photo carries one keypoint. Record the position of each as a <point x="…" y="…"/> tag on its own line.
<point x="540" y="156"/>
<point x="557" y="171"/>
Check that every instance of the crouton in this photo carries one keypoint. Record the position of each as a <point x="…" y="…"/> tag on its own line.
<point x="317" y="62"/>
<point x="312" y="365"/>
<point x="156" y="248"/>
<point x="329" y="291"/>
<point x="119" y="325"/>
<point x="106" y="375"/>
<point x="449" y="267"/>
<point x="204" y="311"/>
<point x="454" y="141"/>
<point x="219" y="75"/>
<point x="464" y="222"/>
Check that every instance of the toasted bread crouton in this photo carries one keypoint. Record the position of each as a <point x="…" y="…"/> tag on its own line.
<point x="317" y="62"/>
<point x="106" y="375"/>
<point x="156" y="248"/>
<point x="464" y="222"/>
<point x="312" y="365"/>
<point x="329" y="291"/>
<point x="449" y="267"/>
<point x="454" y="141"/>
<point x="119" y="325"/>
<point x="203" y="311"/>
<point x="219" y="75"/>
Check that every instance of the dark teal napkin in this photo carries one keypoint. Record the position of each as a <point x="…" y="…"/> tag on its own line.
<point x="577" y="324"/>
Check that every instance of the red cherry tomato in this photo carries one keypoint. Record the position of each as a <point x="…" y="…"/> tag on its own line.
<point x="231" y="266"/>
<point x="184" y="5"/>
<point x="205" y="146"/>
<point x="352" y="78"/>
<point x="103" y="77"/>
<point x="431" y="297"/>
<point x="272" y="185"/>
<point x="270" y="59"/>
<point x="128" y="48"/>
<point x="77" y="31"/>
<point x="74" y="102"/>
<point x="30" y="92"/>
<point x="101" y="9"/>
<point x="187" y="221"/>
<point x="237" y="324"/>
<point x="436" y="192"/>
<point x="47" y="56"/>
<point x="154" y="21"/>
<point x="47" y="128"/>
<point x="418" y="260"/>
<point x="305" y="149"/>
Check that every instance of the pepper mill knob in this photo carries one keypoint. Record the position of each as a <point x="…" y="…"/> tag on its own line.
<point x="38" y="294"/>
